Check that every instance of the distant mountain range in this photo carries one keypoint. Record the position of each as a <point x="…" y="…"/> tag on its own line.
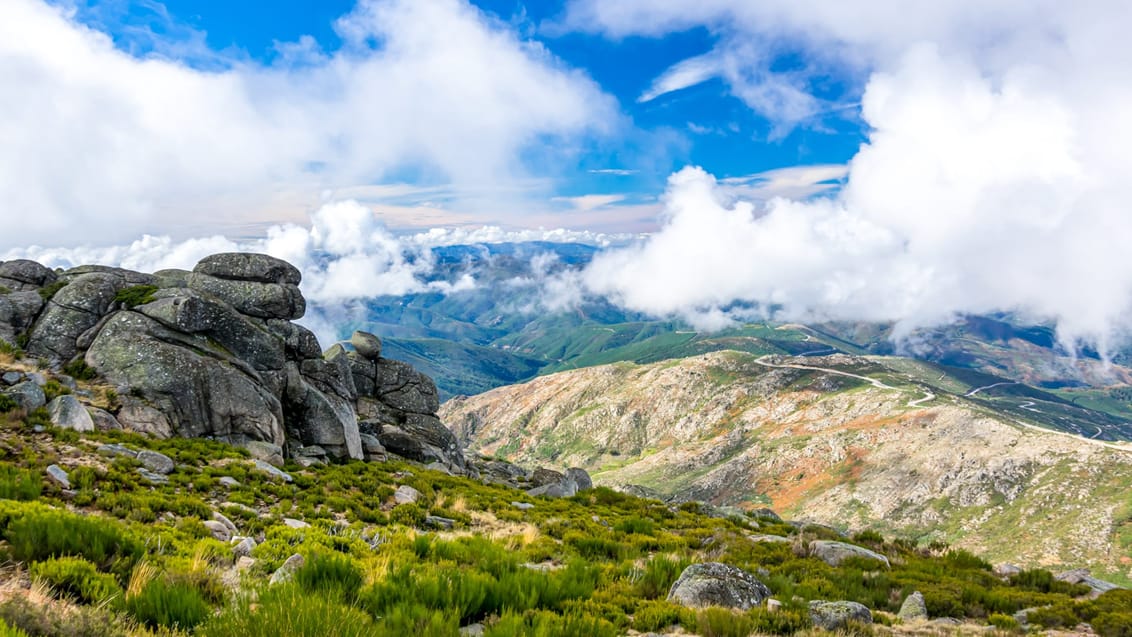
<point x="497" y="334"/>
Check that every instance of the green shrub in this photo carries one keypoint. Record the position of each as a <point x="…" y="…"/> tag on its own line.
<point x="169" y="604"/>
<point x="331" y="573"/>
<point x="7" y="403"/>
<point x="407" y="514"/>
<point x="135" y="295"/>
<point x="37" y="620"/>
<point x="635" y="524"/>
<point x="19" y="484"/>
<point x="1113" y="624"/>
<point x="48" y="291"/>
<point x="653" y="616"/>
<point x="41" y="534"/>
<point x="286" y="610"/>
<point x="546" y="624"/>
<point x="1002" y="622"/>
<point x="1055" y="616"/>
<point x="721" y="622"/>
<point x="76" y="577"/>
<point x="659" y="574"/>
<point x="8" y="631"/>
<point x="1043" y="581"/>
<point x="79" y="370"/>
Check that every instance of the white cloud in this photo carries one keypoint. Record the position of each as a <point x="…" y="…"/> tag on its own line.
<point x="100" y="146"/>
<point x="994" y="176"/>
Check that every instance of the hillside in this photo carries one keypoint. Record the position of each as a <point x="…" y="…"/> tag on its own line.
<point x="869" y="443"/>
<point x="115" y="534"/>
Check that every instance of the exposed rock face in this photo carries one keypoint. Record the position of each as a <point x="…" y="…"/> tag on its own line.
<point x="715" y="584"/>
<point x="213" y="353"/>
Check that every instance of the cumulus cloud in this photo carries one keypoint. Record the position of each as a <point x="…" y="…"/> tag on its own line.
<point x="101" y="146"/>
<point x="994" y="176"/>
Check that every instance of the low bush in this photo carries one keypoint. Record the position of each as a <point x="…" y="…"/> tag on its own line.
<point x="1113" y="624"/>
<point x="79" y="370"/>
<point x="19" y="484"/>
<point x="7" y="404"/>
<point x="38" y="620"/>
<point x="168" y="604"/>
<point x="1002" y="622"/>
<point x="287" y="610"/>
<point x="76" y="577"/>
<point x="41" y="534"/>
<point x="547" y="624"/>
<point x="49" y="291"/>
<point x="330" y="573"/>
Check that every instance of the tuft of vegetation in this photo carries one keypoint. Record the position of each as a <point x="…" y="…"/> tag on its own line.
<point x="37" y="534"/>
<point x="79" y="370"/>
<point x="7" y="404"/>
<point x="168" y="604"/>
<point x="49" y="291"/>
<point x="135" y="295"/>
<point x="77" y="577"/>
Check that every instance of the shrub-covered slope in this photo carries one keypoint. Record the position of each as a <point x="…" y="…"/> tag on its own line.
<point x="113" y="533"/>
<point x="860" y="443"/>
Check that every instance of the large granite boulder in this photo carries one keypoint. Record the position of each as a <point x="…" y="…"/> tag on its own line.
<point x="182" y="384"/>
<point x="22" y="274"/>
<point x="715" y="584"/>
<point x="834" y="553"/>
<point x="834" y="616"/>
<point x="76" y="309"/>
<point x="213" y="352"/>
<point x="17" y="313"/>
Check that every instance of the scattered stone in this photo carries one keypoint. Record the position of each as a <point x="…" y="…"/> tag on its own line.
<point x="37" y="378"/>
<point x="38" y="429"/>
<point x="115" y="449"/>
<point x="833" y="616"/>
<point x="67" y="382"/>
<point x="715" y="584"/>
<point x="11" y="378"/>
<point x="1081" y="576"/>
<point x="156" y="462"/>
<point x="313" y="451"/>
<point x="28" y="395"/>
<point x="67" y="412"/>
<point x="406" y="495"/>
<point x="266" y="451"/>
<point x="834" y="553"/>
<point x="437" y="466"/>
<point x="272" y="471"/>
<point x="287" y="571"/>
<point x="103" y="420"/>
<point x="766" y="513"/>
<point x="472" y="630"/>
<point x="366" y="345"/>
<point x="295" y="524"/>
<point x="580" y="478"/>
<point x="153" y="478"/>
<point x="1007" y="570"/>
<point x="438" y="522"/>
<point x="221" y="518"/>
<point x="307" y="463"/>
<point x="773" y="605"/>
<point x="228" y="481"/>
<point x="56" y="473"/>
<point x="913" y="608"/>
<point x="523" y="506"/>
<point x="243" y="547"/>
<point x="768" y="538"/>
<point x="218" y="530"/>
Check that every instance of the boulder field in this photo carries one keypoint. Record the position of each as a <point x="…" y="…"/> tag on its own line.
<point x="215" y="352"/>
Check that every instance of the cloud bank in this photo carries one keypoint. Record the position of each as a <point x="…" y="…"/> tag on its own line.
<point x="994" y="176"/>
<point x="101" y="146"/>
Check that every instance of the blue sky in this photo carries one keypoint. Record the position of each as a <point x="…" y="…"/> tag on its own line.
<point x="704" y="124"/>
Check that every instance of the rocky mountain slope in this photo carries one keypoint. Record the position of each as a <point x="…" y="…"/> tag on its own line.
<point x="214" y="353"/>
<point x="847" y="441"/>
